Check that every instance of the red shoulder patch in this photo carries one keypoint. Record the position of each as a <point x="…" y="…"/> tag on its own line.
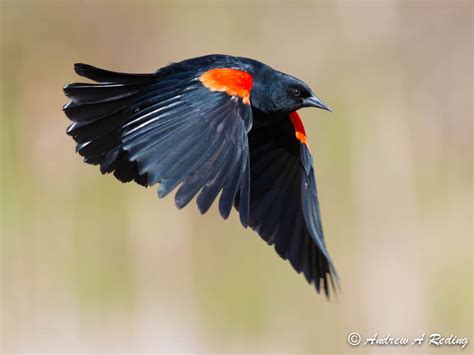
<point x="234" y="82"/>
<point x="299" y="128"/>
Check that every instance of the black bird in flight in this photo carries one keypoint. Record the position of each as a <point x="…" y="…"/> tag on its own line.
<point x="212" y="124"/>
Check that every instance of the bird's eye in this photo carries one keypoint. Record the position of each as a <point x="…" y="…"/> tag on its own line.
<point x="296" y="92"/>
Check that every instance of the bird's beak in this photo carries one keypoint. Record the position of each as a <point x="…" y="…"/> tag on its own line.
<point x="313" y="101"/>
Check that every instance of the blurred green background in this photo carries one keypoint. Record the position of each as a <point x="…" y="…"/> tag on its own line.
<point x="92" y="265"/>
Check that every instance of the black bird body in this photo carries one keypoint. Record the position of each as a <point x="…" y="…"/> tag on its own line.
<point x="211" y="125"/>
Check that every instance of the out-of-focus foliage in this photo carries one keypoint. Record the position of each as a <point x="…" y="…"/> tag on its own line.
<point x="89" y="264"/>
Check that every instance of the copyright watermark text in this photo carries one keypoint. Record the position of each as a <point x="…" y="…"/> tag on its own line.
<point x="433" y="339"/>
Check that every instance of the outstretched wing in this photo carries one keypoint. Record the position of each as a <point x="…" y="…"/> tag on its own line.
<point x="284" y="207"/>
<point x="174" y="127"/>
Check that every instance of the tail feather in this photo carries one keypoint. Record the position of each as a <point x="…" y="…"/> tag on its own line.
<point x="107" y="76"/>
<point x="98" y="112"/>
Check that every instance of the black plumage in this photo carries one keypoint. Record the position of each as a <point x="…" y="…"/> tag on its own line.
<point x="208" y="126"/>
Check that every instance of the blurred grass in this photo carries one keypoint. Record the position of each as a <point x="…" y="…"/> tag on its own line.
<point x="90" y="265"/>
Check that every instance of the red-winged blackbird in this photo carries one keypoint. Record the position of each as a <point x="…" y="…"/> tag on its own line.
<point x="212" y="124"/>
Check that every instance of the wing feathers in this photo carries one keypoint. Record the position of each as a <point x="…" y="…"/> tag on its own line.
<point x="193" y="183"/>
<point x="244" y="200"/>
<point x="284" y="208"/>
<point x="212" y="188"/>
<point x="95" y="93"/>
<point x="164" y="127"/>
<point x="236" y="176"/>
<point x="89" y="112"/>
<point x="192" y="162"/>
<point x="163" y="160"/>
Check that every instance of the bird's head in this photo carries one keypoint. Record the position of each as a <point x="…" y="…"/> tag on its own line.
<point x="280" y="92"/>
